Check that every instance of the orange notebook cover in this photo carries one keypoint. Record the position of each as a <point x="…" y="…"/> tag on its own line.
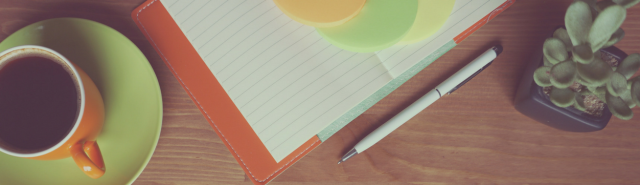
<point x="206" y="91"/>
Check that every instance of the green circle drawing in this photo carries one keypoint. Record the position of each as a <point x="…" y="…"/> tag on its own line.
<point x="380" y="24"/>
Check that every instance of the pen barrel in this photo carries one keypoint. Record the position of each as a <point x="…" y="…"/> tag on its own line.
<point x="395" y="122"/>
<point x="467" y="71"/>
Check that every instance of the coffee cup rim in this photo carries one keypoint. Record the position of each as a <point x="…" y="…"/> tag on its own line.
<point x="77" y="78"/>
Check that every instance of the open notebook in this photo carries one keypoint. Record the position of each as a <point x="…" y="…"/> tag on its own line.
<point x="271" y="87"/>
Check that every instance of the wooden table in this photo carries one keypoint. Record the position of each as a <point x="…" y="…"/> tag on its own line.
<point x="471" y="136"/>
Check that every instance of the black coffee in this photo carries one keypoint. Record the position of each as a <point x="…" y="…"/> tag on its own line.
<point x="38" y="104"/>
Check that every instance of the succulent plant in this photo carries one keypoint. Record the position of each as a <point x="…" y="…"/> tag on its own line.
<point x="573" y="56"/>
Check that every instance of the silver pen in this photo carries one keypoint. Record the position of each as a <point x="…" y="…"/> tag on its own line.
<point x="451" y="84"/>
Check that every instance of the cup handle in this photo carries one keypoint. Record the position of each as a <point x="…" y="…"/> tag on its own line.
<point x="92" y="165"/>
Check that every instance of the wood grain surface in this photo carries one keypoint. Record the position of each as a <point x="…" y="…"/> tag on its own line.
<point x="473" y="136"/>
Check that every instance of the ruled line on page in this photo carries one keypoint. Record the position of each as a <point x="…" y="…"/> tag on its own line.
<point x="283" y="36"/>
<point x="169" y="3"/>
<point x="216" y="21"/>
<point x="177" y="14"/>
<point x="279" y="104"/>
<point x="198" y="8"/>
<point x="280" y="65"/>
<point x="225" y="27"/>
<point x="209" y="9"/>
<point x="238" y="43"/>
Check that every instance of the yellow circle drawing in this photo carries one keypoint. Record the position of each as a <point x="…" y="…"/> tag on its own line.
<point x="320" y="13"/>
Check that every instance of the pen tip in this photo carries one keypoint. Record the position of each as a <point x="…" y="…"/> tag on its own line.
<point x="497" y="49"/>
<point x="339" y="161"/>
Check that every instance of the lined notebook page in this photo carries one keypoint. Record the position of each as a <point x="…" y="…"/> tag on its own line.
<point x="465" y="13"/>
<point x="286" y="80"/>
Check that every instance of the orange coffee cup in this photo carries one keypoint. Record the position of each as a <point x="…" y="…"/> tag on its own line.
<point x="23" y="137"/>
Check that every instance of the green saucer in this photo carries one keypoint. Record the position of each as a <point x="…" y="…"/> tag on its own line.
<point x="131" y="95"/>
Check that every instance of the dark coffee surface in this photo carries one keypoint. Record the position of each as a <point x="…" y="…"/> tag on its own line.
<point x="38" y="104"/>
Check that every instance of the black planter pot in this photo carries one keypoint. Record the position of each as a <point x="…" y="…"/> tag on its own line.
<point x="531" y="101"/>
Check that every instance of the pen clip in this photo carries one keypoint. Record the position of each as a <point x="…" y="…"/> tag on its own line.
<point x="497" y="49"/>
<point x="469" y="78"/>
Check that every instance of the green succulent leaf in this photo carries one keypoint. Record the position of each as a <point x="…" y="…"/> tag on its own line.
<point x="578" y="20"/>
<point x="582" y="53"/>
<point x="579" y="102"/>
<point x="617" y="84"/>
<point x="562" y="97"/>
<point x="563" y="74"/>
<point x="551" y="60"/>
<point x="554" y="50"/>
<point x="546" y="62"/>
<point x="596" y="73"/>
<point x="541" y="76"/>
<point x="630" y="81"/>
<point x="607" y="22"/>
<point x="618" y="107"/>
<point x="562" y="34"/>
<point x="615" y="38"/>
<point x="626" y="97"/>
<point x="626" y="3"/>
<point x="584" y="82"/>
<point x="629" y="65"/>
<point x="635" y="92"/>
